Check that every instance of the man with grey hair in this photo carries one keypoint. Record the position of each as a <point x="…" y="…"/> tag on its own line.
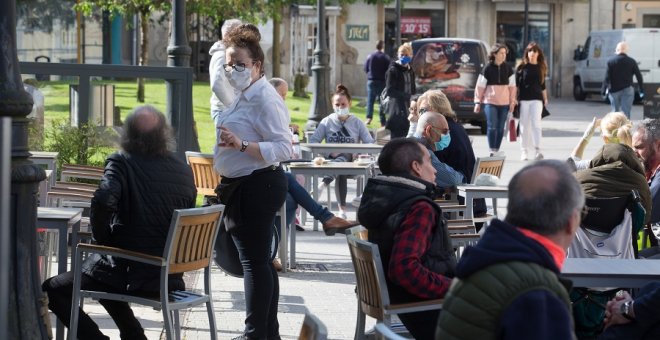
<point x="510" y="280"/>
<point x="646" y="143"/>
<point x="141" y="187"/>
<point x="433" y="132"/>
<point x="618" y="80"/>
<point x="222" y="93"/>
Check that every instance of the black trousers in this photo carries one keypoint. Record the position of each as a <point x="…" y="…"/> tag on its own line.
<point x="60" y="295"/>
<point x="261" y="196"/>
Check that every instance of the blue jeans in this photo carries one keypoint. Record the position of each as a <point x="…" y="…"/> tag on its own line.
<point x="374" y="89"/>
<point x="622" y="100"/>
<point x="495" y="118"/>
<point x="297" y="195"/>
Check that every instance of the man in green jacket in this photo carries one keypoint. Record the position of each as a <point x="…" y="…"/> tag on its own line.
<point x="508" y="285"/>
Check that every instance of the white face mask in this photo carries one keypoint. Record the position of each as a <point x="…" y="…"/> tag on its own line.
<point x="239" y="80"/>
<point x="341" y="112"/>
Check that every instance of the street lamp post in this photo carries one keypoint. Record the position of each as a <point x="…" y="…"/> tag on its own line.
<point x="178" y="55"/>
<point x="22" y="299"/>
<point x="321" y="106"/>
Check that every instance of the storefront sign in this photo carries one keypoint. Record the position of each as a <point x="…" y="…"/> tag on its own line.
<point x="415" y="25"/>
<point x="357" y="32"/>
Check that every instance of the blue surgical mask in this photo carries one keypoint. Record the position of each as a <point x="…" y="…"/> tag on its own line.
<point x="404" y="60"/>
<point x="443" y="142"/>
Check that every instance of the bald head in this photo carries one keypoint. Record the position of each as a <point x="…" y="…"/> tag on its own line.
<point x="544" y="197"/>
<point x="622" y="48"/>
<point x="146" y="132"/>
<point x="280" y="86"/>
<point x="430" y="118"/>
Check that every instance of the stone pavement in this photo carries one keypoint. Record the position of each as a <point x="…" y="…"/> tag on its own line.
<point x="324" y="281"/>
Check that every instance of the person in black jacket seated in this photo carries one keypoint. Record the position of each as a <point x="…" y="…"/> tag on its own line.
<point x="398" y="210"/>
<point x="141" y="187"/>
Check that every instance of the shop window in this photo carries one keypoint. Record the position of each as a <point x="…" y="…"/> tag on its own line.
<point x="510" y="32"/>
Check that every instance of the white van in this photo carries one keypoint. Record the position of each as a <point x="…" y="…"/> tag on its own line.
<point x="592" y="59"/>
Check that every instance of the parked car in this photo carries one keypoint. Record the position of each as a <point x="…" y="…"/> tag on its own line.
<point x="644" y="47"/>
<point x="453" y="66"/>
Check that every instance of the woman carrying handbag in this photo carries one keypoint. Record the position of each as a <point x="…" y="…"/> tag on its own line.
<point x="532" y="96"/>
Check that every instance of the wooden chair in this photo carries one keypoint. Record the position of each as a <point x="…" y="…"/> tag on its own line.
<point x="189" y="247"/>
<point x="385" y="333"/>
<point x="206" y="179"/>
<point x="488" y="165"/>
<point x="373" y="296"/>
<point x="462" y="241"/>
<point x="312" y="328"/>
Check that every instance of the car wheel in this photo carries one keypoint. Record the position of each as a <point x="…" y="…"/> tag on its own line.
<point x="578" y="91"/>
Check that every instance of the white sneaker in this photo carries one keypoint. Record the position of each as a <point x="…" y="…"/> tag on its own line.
<point x="538" y="156"/>
<point x="523" y="155"/>
<point x="341" y="214"/>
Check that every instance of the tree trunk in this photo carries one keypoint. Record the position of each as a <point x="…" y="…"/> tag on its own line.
<point x="144" y="51"/>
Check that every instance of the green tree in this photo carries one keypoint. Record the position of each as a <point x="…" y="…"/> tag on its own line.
<point x="128" y="8"/>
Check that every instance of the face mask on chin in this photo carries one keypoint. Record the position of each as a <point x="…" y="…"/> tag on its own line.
<point x="443" y="143"/>
<point x="239" y="80"/>
<point x="341" y="112"/>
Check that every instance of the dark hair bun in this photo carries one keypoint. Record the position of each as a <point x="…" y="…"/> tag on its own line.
<point x="243" y="36"/>
<point x="342" y="90"/>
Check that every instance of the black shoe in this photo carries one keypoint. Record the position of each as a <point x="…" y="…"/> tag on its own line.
<point x="299" y="228"/>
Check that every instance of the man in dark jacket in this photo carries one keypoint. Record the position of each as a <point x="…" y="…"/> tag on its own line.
<point x="141" y="187"/>
<point x="412" y="237"/>
<point x="618" y="80"/>
<point x="375" y="67"/>
<point x="508" y="285"/>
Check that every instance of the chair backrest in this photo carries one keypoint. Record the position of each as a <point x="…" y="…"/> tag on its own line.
<point x="487" y="165"/>
<point x="206" y="179"/>
<point x="191" y="237"/>
<point x="370" y="277"/>
<point x="359" y="232"/>
<point x="312" y="328"/>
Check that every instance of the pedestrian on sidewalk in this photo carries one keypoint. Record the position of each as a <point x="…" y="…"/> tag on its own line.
<point x="618" y="83"/>
<point x="253" y="137"/>
<point x="400" y="85"/>
<point x="375" y="67"/>
<point x="496" y="91"/>
<point x="532" y="97"/>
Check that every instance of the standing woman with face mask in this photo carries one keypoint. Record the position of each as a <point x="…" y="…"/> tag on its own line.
<point x="252" y="138"/>
<point x="400" y="86"/>
<point x="532" y="97"/>
<point x="340" y="127"/>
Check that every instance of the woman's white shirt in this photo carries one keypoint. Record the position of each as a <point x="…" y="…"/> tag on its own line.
<point x="257" y="115"/>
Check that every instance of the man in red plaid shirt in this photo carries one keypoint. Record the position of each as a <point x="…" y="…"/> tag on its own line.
<point x="398" y="210"/>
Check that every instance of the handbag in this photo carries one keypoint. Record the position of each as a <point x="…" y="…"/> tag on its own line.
<point x="513" y="135"/>
<point x="384" y="100"/>
<point x="545" y="112"/>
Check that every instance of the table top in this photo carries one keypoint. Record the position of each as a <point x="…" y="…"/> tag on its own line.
<point x="329" y="165"/>
<point x="320" y="147"/>
<point x="52" y="213"/>
<point x="611" y="272"/>
<point x="472" y="187"/>
<point x="44" y="154"/>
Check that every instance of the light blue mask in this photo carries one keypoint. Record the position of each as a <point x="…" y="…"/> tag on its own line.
<point x="405" y="60"/>
<point x="443" y="142"/>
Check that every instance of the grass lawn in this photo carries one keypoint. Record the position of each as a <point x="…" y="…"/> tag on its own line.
<point x="56" y="95"/>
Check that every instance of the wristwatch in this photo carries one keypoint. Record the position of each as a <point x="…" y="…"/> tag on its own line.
<point x="627" y="310"/>
<point x="244" y="145"/>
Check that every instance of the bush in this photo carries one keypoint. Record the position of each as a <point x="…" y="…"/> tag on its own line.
<point x="77" y="145"/>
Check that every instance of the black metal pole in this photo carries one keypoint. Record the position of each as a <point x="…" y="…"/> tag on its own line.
<point x="321" y="105"/>
<point x="24" y="295"/>
<point x="526" y="25"/>
<point x="178" y="55"/>
<point x="397" y="25"/>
